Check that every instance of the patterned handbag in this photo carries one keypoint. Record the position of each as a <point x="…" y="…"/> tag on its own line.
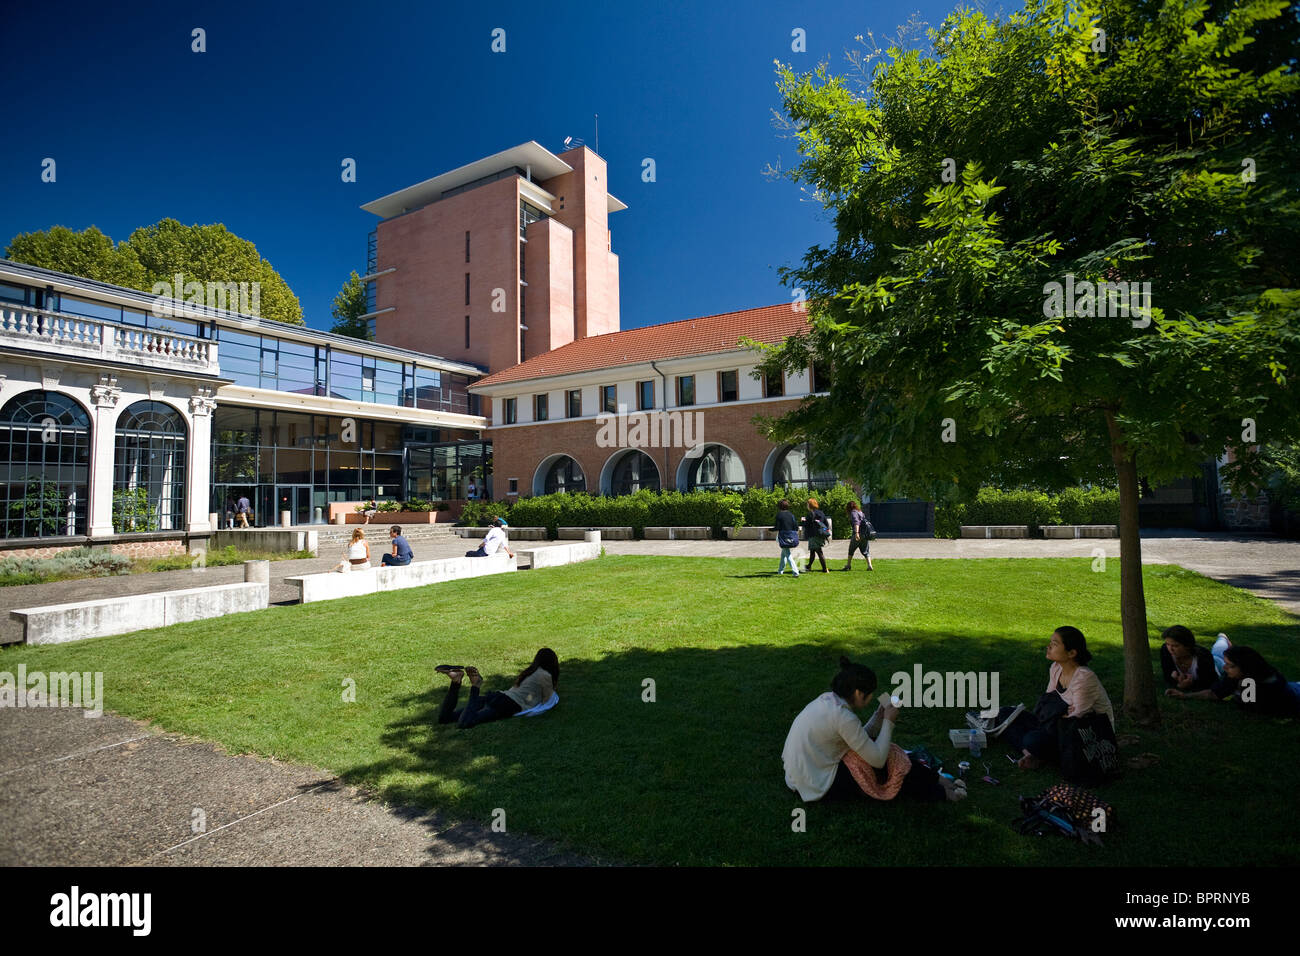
<point x="1066" y="809"/>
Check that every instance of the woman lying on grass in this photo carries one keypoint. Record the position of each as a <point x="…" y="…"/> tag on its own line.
<point x="1267" y="692"/>
<point x="1187" y="666"/>
<point x="534" y="687"/>
<point x="829" y="754"/>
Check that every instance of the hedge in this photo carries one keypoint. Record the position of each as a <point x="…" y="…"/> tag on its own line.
<point x="1033" y="508"/>
<point x="713" y="509"/>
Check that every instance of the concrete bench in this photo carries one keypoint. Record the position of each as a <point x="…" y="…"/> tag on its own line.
<point x="514" y="534"/>
<point x="334" y="584"/>
<point x="60" y="623"/>
<point x="1081" y="531"/>
<point x="611" y="533"/>
<point x="750" y="533"/>
<point x="995" y="531"/>
<point x="684" y="533"/>
<point x="558" y="554"/>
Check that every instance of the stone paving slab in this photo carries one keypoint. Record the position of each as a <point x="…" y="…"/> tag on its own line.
<point x="110" y="791"/>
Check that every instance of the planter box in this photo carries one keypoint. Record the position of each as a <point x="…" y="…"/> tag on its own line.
<point x="995" y="531"/>
<point x="399" y="517"/>
<point x="1081" y="531"/>
<point x="606" y="533"/>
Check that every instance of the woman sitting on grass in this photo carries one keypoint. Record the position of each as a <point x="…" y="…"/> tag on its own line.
<point x="1267" y="692"/>
<point x="534" y="686"/>
<point x="1187" y="666"/>
<point x="1074" y="704"/>
<point x="829" y="754"/>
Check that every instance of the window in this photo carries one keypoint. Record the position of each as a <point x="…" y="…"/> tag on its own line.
<point x="511" y="411"/>
<point x="774" y="384"/>
<point x="149" y="469"/>
<point x="467" y="331"/>
<point x="635" y="471"/>
<point x="645" y="395"/>
<point x="685" y="389"/>
<point x="44" y="483"/>
<point x="467" y="245"/>
<point x="368" y="379"/>
<point x="791" y="470"/>
<point x="565" y="475"/>
<point x="467" y="288"/>
<point x="609" y="399"/>
<point x="575" y="403"/>
<point x="540" y="409"/>
<point x="728" y="386"/>
<point x="717" y="468"/>
<point x="818" y="379"/>
<point x="513" y="486"/>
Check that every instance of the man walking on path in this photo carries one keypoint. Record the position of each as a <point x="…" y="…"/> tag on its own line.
<point x="244" y="508"/>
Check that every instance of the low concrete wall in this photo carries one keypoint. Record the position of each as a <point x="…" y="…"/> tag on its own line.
<point x="558" y="554"/>
<point x="608" y="533"/>
<point x="275" y="540"/>
<point x="60" y="623"/>
<point x="750" y="533"/>
<point x="685" y="533"/>
<point x="333" y="584"/>
<point x="1081" y="531"/>
<point x="995" y="531"/>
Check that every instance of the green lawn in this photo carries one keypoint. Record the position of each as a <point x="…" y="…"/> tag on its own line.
<point x="695" y="777"/>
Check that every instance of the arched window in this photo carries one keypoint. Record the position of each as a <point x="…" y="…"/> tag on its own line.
<point x="149" y="469"/>
<point x="44" y="465"/>
<point x="565" y="475"/>
<point x="634" y="471"/>
<point x="717" y="468"/>
<point x="791" y="468"/>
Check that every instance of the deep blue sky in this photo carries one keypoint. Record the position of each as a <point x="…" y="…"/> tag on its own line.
<point x="252" y="132"/>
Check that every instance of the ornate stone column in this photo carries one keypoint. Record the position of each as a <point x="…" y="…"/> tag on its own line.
<point x="105" y="395"/>
<point x="198" y="473"/>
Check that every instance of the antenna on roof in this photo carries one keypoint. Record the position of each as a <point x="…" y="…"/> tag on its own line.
<point x="597" y="115"/>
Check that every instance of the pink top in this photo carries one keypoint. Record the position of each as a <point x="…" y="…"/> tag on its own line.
<point x="1085" y="694"/>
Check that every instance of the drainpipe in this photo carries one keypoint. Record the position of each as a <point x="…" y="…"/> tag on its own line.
<point x="663" y="390"/>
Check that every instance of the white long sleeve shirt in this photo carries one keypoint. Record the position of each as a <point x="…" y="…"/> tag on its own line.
<point x="820" y="736"/>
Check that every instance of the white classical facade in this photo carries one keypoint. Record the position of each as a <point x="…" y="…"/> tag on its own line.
<point x="105" y="370"/>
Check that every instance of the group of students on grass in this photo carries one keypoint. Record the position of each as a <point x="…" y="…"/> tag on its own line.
<point x="817" y="529"/>
<point x="830" y="754"/>
<point x="356" y="557"/>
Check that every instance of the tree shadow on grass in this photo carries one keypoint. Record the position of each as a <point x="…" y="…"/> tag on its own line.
<point x="694" y="776"/>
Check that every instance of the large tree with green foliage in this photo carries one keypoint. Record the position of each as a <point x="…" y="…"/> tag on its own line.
<point x="156" y="254"/>
<point x="348" y="308"/>
<point x="966" y="179"/>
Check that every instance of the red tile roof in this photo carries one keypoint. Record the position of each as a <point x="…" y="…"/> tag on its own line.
<point x="702" y="336"/>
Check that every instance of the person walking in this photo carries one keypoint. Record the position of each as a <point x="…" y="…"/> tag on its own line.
<point x="818" y="531"/>
<point x="243" y="507"/>
<point x="860" y="536"/>
<point x="787" y="537"/>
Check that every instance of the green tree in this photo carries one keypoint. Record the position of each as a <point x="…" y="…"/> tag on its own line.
<point x="348" y="308"/>
<point x="972" y="184"/>
<point x="88" y="253"/>
<point x="156" y="254"/>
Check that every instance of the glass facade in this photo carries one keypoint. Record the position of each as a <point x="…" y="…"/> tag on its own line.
<point x="792" y="469"/>
<point x="718" y="468"/>
<point x="440" y="472"/>
<point x="300" y="462"/>
<point x="564" y="475"/>
<point x="634" y="471"/>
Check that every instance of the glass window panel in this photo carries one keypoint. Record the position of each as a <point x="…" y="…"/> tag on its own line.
<point x="93" y="310"/>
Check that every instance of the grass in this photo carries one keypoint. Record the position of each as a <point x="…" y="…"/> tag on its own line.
<point x="696" y="777"/>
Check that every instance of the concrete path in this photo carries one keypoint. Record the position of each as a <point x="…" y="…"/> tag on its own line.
<point x="108" y="791"/>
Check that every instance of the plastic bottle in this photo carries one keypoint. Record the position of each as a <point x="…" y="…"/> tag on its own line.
<point x="974" y="744"/>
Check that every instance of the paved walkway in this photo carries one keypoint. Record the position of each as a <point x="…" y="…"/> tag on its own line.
<point x="111" y="791"/>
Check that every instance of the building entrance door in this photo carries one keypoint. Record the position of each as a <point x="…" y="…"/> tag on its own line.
<point x="295" y="499"/>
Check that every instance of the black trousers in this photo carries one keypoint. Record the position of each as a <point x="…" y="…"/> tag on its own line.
<point x="479" y="709"/>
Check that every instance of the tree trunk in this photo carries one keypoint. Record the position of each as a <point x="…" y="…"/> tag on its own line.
<point x="1139" y="680"/>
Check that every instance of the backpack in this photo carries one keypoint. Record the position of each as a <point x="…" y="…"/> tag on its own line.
<point x="1068" y="810"/>
<point x="823" y="529"/>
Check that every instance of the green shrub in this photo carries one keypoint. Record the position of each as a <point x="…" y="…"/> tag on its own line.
<point x="994" y="506"/>
<point x="477" y="514"/>
<point x="948" y="520"/>
<point x="76" y="562"/>
<point x="1088" y="506"/>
